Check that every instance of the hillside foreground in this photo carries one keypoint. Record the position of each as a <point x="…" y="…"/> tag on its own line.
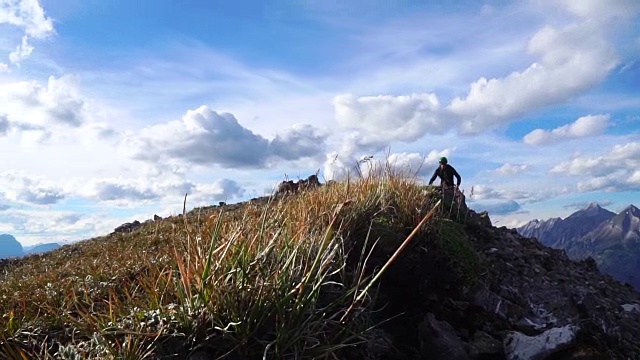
<point x="311" y="276"/>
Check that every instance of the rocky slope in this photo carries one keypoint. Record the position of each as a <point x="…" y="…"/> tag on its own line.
<point x="612" y="240"/>
<point x="521" y="300"/>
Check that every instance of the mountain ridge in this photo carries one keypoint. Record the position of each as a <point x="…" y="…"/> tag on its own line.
<point x="613" y="240"/>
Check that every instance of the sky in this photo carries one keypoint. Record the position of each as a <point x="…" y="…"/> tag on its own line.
<point x="112" y="111"/>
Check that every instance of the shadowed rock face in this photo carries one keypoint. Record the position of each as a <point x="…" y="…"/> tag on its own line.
<point x="290" y="187"/>
<point x="528" y="301"/>
<point x="9" y="247"/>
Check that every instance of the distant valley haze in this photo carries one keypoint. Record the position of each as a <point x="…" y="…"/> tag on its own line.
<point x="112" y="111"/>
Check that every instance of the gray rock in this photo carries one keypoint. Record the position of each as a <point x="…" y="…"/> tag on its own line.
<point x="631" y="308"/>
<point x="438" y="340"/>
<point x="518" y="346"/>
<point x="482" y="345"/>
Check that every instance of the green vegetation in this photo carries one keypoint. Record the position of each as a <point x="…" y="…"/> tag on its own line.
<point x="268" y="279"/>
<point x="454" y="245"/>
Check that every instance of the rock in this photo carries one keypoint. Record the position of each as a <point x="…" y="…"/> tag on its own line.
<point x="156" y="217"/>
<point x="287" y="187"/>
<point x="631" y="308"/>
<point x="482" y="346"/>
<point x="438" y="340"/>
<point x="128" y="227"/>
<point x="518" y="346"/>
<point x="290" y="187"/>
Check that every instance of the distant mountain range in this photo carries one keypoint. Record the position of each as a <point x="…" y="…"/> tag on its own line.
<point x="612" y="240"/>
<point x="10" y="247"/>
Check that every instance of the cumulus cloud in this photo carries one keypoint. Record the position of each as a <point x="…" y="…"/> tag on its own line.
<point x="569" y="61"/>
<point x="132" y="192"/>
<point x="400" y="164"/>
<point x="620" y="157"/>
<point x="206" y="137"/>
<point x="124" y="191"/>
<point x="302" y="140"/>
<point x="33" y="190"/>
<point x="379" y="120"/>
<point x="29" y="16"/>
<point x="220" y="190"/>
<point x="338" y="166"/>
<point x="613" y="171"/>
<point x="487" y="194"/>
<point x="590" y="125"/>
<point x="572" y="60"/>
<point x="35" y="105"/>
<point x="511" y="169"/>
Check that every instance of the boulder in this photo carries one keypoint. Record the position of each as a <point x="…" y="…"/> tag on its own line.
<point x="518" y="346"/>
<point x="128" y="227"/>
<point x="438" y="340"/>
<point x="290" y="187"/>
<point x="483" y="345"/>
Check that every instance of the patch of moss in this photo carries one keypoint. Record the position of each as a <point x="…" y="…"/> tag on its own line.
<point x="454" y="243"/>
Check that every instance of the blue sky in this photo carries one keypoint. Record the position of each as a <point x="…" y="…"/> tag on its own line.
<point x="111" y="111"/>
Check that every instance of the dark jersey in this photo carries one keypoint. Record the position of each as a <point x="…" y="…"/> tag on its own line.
<point x="446" y="174"/>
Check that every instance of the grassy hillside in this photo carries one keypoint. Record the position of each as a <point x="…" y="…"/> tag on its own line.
<point x="277" y="278"/>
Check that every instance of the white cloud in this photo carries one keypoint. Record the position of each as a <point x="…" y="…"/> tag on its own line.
<point x="620" y="157"/>
<point x="129" y="192"/>
<point x="206" y="137"/>
<point x="3" y="67"/>
<point x="378" y="120"/>
<point x="572" y="60"/>
<point x="504" y="192"/>
<point x="59" y="102"/>
<point x="338" y="167"/>
<point x="22" y="51"/>
<point x="20" y="188"/>
<point x="29" y="16"/>
<point x="599" y="10"/>
<point x="511" y="169"/>
<point x="40" y="226"/>
<point x="301" y="140"/>
<point x="220" y="190"/>
<point x="614" y="171"/>
<point x="567" y="61"/>
<point x="590" y="125"/>
<point x="497" y="207"/>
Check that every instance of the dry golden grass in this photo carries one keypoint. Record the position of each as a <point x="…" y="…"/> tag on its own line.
<point x="268" y="278"/>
